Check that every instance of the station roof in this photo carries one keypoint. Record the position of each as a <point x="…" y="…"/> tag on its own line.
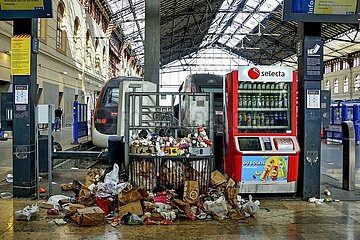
<point x="250" y="29"/>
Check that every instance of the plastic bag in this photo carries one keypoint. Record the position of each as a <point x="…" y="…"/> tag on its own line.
<point x="218" y="207"/>
<point x="112" y="176"/>
<point x="54" y="200"/>
<point x="27" y="212"/>
<point x="131" y="219"/>
<point x="251" y="207"/>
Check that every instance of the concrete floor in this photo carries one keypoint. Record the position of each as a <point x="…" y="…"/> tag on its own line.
<point x="278" y="218"/>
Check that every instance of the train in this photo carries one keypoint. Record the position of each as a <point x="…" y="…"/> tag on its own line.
<point x="105" y="117"/>
<point x="207" y="83"/>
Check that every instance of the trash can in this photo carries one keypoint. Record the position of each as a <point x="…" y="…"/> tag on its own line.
<point x="116" y="151"/>
<point x="43" y="153"/>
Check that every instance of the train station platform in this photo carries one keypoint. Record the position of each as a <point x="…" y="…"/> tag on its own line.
<point x="280" y="217"/>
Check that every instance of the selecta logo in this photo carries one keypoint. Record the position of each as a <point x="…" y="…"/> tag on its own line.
<point x="254" y="73"/>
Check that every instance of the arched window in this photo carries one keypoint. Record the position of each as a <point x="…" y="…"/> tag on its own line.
<point x="97" y="56"/>
<point x="104" y="61"/>
<point x="336" y="86"/>
<point x="327" y="85"/>
<point x="346" y="85"/>
<point x="88" y="48"/>
<point x="60" y="32"/>
<point x="357" y="83"/>
<point x="77" y="38"/>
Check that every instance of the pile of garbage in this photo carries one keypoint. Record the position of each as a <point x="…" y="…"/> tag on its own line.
<point x="146" y="143"/>
<point x="106" y="198"/>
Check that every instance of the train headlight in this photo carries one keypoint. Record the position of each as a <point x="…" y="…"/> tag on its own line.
<point x="101" y="120"/>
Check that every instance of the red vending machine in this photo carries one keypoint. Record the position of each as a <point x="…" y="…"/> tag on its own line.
<point x="261" y="151"/>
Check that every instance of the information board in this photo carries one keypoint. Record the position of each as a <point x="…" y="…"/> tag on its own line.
<point x="16" y="9"/>
<point x="332" y="11"/>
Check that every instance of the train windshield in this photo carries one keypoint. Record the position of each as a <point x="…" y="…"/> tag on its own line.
<point x="111" y="96"/>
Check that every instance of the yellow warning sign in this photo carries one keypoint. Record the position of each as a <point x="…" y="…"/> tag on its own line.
<point x="20" y="54"/>
<point x="21" y="4"/>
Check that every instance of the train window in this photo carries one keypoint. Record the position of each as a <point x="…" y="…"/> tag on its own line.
<point x="112" y="96"/>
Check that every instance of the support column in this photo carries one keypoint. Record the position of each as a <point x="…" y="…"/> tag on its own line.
<point x="152" y="41"/>
<point x="24" y="119"/>
<point x="310" y="75"/>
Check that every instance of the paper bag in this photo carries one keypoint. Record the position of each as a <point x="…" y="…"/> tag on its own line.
<point x="128" y="196"/>
<point x="191" y="191"/>
<point x="217" y="178"/>
<point x="85" y="197"/>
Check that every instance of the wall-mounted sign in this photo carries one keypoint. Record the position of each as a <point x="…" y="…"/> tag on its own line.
<point x="313" y="58"/>
<point x="313" y="99"/>
<point x="21" y="94"/>
<point x="20" y="54"/>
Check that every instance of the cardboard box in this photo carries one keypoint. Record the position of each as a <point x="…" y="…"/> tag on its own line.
<point x="75" y="206"/>
<point x="133" y="207"/>
<point x="90" y="216"/>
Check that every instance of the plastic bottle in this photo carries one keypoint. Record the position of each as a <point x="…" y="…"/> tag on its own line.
<point x="267" y="120"/>
<point x="259" y="102"/>
<point x="276" y="119"/>
<point x="258" y="119"/>
<point x="253" y="102"/>
<point x="281" y="119"/>
<point x="267" y="101"/>
<point x="241" y="85"/>
<point x="262" y="119"/>
<point x="248" y="119"/>
<point x="254" y="120"/>
<point x="280" y="101"/>
<point x="285" y="101"/>
<point x="240" y="101"/>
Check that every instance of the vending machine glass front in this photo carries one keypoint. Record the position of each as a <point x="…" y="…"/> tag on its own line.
<point x="264" y="107"/>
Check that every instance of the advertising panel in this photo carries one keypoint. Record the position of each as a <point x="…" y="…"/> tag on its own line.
<point x="264" y="168"/>
<point x="265" y="73"/>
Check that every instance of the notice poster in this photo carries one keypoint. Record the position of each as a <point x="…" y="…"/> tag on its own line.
<point x="20" y="54"/>
<point x="21" y="4"/>
<point x="21" y="94"/>
<point x="264" y="168"/>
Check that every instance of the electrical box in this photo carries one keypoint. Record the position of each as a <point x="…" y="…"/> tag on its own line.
<point x="43" y="113"/>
